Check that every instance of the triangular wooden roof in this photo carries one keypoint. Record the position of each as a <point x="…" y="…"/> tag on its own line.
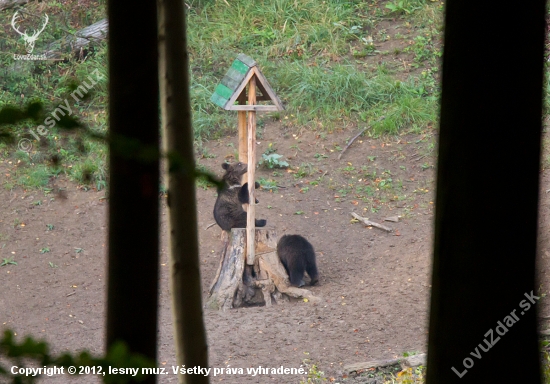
<point x="234" y="83"/>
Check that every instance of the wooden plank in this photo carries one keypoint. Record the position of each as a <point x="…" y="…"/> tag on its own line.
<point x="256" y="108"/>
<point x="371" y="223"/>
<point x="269" y="91"/>
<point x="249" y="61"/>
<point x="238" y="91"/>
<point x="250" y="223"/>
<point x="241" y="126"/>
<point x="359" y="367"/>
<point x="75" y="42"/>
<point x="7" y="4"/>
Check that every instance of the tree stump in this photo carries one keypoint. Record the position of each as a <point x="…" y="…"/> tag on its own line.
<point x="237" y="284"/>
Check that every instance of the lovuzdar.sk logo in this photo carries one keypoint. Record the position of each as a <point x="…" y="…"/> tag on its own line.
<point x="29" y="37"/>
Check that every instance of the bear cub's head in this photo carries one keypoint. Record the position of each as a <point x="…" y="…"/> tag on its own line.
<point x="233" y="173"/>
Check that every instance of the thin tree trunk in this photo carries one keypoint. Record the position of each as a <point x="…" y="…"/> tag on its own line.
<point x="189" y="331"/>
<point x="132" y="297"/>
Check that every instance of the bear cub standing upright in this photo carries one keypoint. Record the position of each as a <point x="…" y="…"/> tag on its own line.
<point x="228" y="210"/>
<point x="297" y="255"/>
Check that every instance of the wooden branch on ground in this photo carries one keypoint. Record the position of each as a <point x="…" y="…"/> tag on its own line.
<point x="369" y="223"/>
<point x="74" y="43"/>
<point x="8" y="4"/>
<point x="355" y="137"/>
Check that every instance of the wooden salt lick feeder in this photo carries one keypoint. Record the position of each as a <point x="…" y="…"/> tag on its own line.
<point x="237" y="282"/>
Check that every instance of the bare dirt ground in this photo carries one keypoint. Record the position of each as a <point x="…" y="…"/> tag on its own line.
<point x="374" y="285"/>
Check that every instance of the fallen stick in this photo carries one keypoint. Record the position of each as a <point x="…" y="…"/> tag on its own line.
<point x="371" y="223"/>
<point x="7" y="4"/>
<point x="209" y="226"/>
<point x="355" y="137"/>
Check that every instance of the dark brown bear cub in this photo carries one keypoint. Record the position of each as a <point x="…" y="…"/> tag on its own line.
<point x="228" y="210"/>
<point x="297" y="255"/>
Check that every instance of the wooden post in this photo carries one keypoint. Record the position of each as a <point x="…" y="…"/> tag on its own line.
<point x="250" y="223"/>
<point x="243" y="146"/>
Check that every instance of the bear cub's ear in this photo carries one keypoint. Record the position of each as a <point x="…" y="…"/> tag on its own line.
<point x="225" y="166"/>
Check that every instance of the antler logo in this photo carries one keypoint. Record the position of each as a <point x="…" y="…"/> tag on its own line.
<point x="29" y="40"/>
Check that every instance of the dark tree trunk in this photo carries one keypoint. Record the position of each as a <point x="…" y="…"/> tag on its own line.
<point x="189" y="331"/>
<point x="134" y="174"/>
<point x="488" y="168"/>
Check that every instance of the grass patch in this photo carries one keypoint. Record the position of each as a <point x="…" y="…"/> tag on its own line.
<point x="319" y="57"/>
<point x="304" y="49"/>
<point x="58" y="152"/>
<point x="268" y="185"/>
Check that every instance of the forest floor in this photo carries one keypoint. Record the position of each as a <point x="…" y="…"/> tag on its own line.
<point x="374" y="285"/>
<point x="339" y="68"/>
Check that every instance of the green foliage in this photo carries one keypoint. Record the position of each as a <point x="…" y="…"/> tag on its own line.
<point x="320" y="156"/>
<point x="8" y="261"/>
<point x="270" y="149"/>
<point x="407" y="110"/>
<point x="32" y="353"/>
<point x="268" y="185"/>
<point x="546" y="365"/>
<point x="404" y="6"/>
<point x="273" y="161"/>
<point x="425" y="49"/>
<point x="314" y="375"/>
<point x="408" y="376"/>
<point x="270" y="159"/>
<point x="295" y="29"/>
<point x="295" y="44"/>
<point x="32" y="90"/>
<point x="304" y="170"/>
<point x="313" y="55"/>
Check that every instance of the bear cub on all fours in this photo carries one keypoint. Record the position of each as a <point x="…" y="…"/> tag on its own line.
<point x="298" y="256"/>
<point x="228" y="210"/>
